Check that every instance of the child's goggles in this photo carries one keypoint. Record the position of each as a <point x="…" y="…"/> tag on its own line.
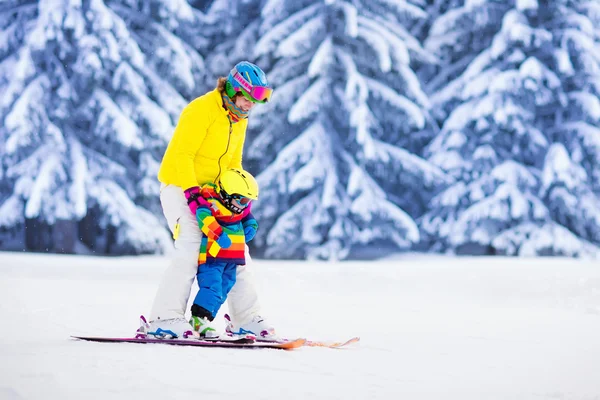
<point x="257" y="94"/>
<point x="241" y="201"/>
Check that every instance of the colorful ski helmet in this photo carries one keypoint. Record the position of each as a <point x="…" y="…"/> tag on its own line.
<point x="237" y="189"/>
<point x="250" y="80"/>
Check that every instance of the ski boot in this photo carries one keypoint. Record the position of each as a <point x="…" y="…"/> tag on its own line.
<point x="204" y="328"/>
<point x="257" y="327"/>
<point x="173" y="328"/>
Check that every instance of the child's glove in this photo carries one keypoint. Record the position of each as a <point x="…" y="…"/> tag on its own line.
<point x="250" y="228"/>
<point x="223" y="241"/>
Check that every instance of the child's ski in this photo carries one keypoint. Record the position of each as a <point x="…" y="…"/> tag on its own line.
<point x="244" y="343"/>
<point x="230" y="330"/>
<point x="332" y="345"/>
<point x="318" y="343"/>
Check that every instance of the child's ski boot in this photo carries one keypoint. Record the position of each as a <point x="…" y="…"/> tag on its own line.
<point x="204" y="328"/>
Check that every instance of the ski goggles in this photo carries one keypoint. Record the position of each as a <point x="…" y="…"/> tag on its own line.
<point x="258" y="94"/>
<point x="240" y="200"/>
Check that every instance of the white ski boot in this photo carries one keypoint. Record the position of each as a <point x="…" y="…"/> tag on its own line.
<point x="257" y="327"/>
<point x="174" y="328"/>
<point x="142" y="332"/>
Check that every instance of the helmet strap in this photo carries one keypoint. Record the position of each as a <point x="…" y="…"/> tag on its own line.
<point x="230" y="90"/>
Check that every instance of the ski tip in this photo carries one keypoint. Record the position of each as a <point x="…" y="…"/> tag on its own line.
<point x="292" y="344"/>
<point x="332" y="345"/>
<point x="348" y="342"/>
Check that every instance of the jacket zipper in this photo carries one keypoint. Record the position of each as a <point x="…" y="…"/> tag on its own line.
<point x="226" y="149"/>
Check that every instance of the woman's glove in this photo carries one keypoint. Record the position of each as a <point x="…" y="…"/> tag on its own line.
<point x="250" y="227"/>
<point x="194" y="199"/>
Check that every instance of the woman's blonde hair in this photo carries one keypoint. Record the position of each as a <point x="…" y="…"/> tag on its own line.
<point x="221" y="87"/>
<point x="221" y="84"/>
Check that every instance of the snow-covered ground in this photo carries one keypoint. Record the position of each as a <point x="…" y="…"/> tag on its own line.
<point x="431" y="328"/>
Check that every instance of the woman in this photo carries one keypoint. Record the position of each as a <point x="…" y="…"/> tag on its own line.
<point x="208" y="140"/>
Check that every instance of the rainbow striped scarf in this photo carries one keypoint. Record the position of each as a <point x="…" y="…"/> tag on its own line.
<point x="231" y="224"/>
<point x="235" y="113"/>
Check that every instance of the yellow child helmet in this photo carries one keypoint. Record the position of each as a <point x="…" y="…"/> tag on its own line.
<point x="237" y="188"/>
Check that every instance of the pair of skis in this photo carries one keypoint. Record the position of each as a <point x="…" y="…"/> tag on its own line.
<point x="245" y="343"/>
<point x="144" y="337"/>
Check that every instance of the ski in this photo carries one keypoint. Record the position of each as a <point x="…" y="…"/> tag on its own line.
<point x="244" y="343"/>
<point x="332" y="345"/>
<point x="309" y="343"/>
<point x="318" y="343"/>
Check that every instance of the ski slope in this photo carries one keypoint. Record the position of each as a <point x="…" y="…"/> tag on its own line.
<point x="431" y="328"/>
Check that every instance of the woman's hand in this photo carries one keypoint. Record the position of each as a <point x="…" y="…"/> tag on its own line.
<point x="194" y="199"/>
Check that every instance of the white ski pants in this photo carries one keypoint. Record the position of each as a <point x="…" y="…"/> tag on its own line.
<point x="173" y="293"/>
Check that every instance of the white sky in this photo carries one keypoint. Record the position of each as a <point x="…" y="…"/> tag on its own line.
<point x="431" y="328"/>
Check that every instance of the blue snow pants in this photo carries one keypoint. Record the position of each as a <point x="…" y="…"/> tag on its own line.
<point x="215" y="280"/>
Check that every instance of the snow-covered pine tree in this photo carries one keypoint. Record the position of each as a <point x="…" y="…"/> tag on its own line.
<point x="459" y="30"/>
<point x="231" y="30"/>
<point x="336" y="144"/>
<point x="168" y="32"/>
<point x="87" y="109"/>
<point x="504" y="111"/>
<point x="576" y="205"/>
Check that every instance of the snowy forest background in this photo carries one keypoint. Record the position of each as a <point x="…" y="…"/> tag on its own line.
<point x="461" y="127"/>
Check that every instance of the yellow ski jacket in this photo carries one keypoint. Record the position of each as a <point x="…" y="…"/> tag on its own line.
<point x="205" y="143"/>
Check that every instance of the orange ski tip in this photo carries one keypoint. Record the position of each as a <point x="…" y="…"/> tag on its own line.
<point x="332" y="345"/>
<point x="294" y="344"/>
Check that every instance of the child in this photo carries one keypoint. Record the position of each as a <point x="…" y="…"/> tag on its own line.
<point x="225" y="219"/>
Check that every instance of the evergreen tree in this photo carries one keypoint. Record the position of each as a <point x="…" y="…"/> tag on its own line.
<point x="231" y="30"/>
<point x="86" y="119"/>
<point x="348" y="153"/>
<point x="531" y="87"/>
<point x="458" y="31"/>
<point x="336" y="146"/>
